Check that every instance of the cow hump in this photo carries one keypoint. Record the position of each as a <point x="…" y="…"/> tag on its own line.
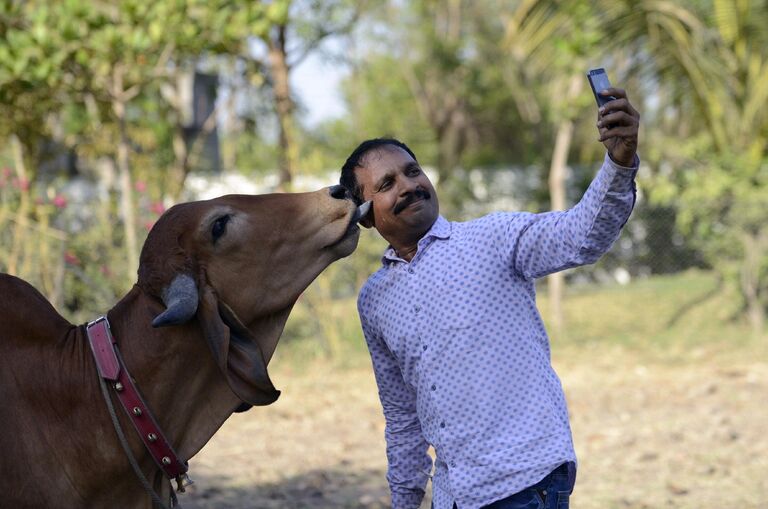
<point x="26" y="315"/>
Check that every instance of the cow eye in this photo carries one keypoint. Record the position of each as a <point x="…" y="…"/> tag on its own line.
<point x="219" y="227"/>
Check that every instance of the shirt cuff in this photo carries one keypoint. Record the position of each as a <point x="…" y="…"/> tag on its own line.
<point x="635" y="162"/>
<point x="621" y="178"/>
<point x="407" y="500"/>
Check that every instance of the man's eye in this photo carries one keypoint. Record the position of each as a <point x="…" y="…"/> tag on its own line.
<point x="386" y="185"/>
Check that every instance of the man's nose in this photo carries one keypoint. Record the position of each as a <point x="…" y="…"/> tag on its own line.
<point x="408" y="186"/>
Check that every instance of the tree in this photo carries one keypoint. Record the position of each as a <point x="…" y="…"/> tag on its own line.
<point x="549" y="43"/>
<point x="712" y="62"/>
<point x="296" y="28"/>
<point x="31" y="84"/>
<point x="97" y="68"/>
<point x="431" y="77"/>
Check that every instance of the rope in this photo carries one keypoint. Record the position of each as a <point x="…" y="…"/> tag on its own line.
<point x="126" y="447"/>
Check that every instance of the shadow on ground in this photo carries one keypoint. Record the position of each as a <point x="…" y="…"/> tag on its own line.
<point x="335" y="488"/>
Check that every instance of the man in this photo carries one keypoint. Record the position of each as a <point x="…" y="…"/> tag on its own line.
<point x="459" y="351"/>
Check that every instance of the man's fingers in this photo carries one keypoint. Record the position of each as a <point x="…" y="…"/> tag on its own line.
<point x="617" y="132"/>
<point x="618" y="93"/>
<point x="619" y="104"/>
<point x="616" y="118"/>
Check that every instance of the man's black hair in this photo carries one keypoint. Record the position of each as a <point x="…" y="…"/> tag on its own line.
<point x="348" y="178"/>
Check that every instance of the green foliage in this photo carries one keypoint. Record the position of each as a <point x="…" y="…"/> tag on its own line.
<point x="382" y="105"/>
<point x="465" y="84"/>
<point x="324" y="320"/>
<point x="663" y="313"/>
<point x="88" y="76"/>
<point x="666" y="317"/>
<point x="721" y="165"/>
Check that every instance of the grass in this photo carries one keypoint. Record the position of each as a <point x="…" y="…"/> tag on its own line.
<point x="669" y="317"/>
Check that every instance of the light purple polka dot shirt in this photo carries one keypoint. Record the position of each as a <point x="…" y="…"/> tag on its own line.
<point x="459" y="350"/>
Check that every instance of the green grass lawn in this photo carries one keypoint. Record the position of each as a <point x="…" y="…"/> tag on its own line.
<point x="686" y="309"/>
<point x="664" y="316"/>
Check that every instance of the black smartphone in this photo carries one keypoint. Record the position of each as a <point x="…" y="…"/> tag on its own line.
<point x="598" y="80"/>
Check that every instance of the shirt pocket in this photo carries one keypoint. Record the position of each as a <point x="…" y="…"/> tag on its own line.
<point x="457" y="304"/>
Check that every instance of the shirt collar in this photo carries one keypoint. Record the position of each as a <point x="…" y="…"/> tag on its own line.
<point x="441" y="229"/>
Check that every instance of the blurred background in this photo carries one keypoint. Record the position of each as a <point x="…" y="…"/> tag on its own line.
<point x="112" y="111"/>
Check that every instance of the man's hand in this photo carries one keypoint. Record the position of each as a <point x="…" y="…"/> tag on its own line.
<point x="624" y="121"/>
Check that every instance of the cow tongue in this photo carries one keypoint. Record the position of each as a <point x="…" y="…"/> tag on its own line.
<point x="361" y="212"/>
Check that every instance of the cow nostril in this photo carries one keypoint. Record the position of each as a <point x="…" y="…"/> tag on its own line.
<point x="339" y="192"/>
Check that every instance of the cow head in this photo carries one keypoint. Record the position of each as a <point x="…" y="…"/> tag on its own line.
<point x="237" y="264"/>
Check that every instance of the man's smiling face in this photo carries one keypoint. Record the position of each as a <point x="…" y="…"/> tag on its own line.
<point x="404" y="202"/>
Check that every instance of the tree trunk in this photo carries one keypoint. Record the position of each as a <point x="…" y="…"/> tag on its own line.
<point x="180" y="167"/>
<point x="557" y="188"/>
<point x="120" y="97"/>
<point x="20" y="226"/>
<point x="451" y="142"/>
<point x="126" y="193"/>
<point x="556" y="281"/>
<point x="280" y="71"/>
<point x="754" y="247"/>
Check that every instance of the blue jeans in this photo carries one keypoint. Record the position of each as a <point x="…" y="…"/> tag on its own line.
<point x="552" y="492"/>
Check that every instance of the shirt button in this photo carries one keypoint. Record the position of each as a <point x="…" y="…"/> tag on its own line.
<point x="453" y="464"/>
<point x="410" y="271"/>
<point x="417" y="308"/>
<point x="442" y="424"/>
<point x="434" y="387"/>
<point x="424" y="347"/>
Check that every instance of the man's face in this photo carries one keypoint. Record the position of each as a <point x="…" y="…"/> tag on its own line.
<point x="404" y="202"/>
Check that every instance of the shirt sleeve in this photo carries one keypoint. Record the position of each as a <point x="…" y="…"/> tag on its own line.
<point x="409" y="464"/>
<point x="535" y="245"/>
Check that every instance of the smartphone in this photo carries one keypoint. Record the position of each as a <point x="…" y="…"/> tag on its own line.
<point x="598" y="80"/>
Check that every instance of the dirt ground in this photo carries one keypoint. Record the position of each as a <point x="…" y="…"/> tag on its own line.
<point x="648" y="433"/>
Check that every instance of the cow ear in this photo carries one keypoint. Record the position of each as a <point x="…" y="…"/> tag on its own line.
<point x="236" y="351"/>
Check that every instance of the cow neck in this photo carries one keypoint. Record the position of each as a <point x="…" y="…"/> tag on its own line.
<point x="114" y="375"/>
<point x="175" y="371"/>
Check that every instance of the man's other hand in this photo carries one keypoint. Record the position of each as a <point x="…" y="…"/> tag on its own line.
<point x="618" y="123"/>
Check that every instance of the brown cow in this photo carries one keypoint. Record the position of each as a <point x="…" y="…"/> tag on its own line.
<point x="222" y="275"/>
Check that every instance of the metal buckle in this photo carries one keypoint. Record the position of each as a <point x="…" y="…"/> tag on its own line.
<point x="102" y="318"/>
<point x="182" y="481"/>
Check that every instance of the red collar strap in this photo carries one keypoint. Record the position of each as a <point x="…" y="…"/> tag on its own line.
<point x="112" y="369"/>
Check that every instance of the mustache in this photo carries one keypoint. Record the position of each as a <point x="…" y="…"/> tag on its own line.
<point x="419" y="194"/>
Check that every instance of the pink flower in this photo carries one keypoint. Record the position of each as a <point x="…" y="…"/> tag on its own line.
<point x="157" y="207"/>
<point x="71" y="259"/>
<point x="105" y="271"/>
<point x="148" y="225"/>
<point x="22" y="184"/>
<point x="6" y="172"/>
<point x="140" y="186"/>
<point x="60" y="201"/>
